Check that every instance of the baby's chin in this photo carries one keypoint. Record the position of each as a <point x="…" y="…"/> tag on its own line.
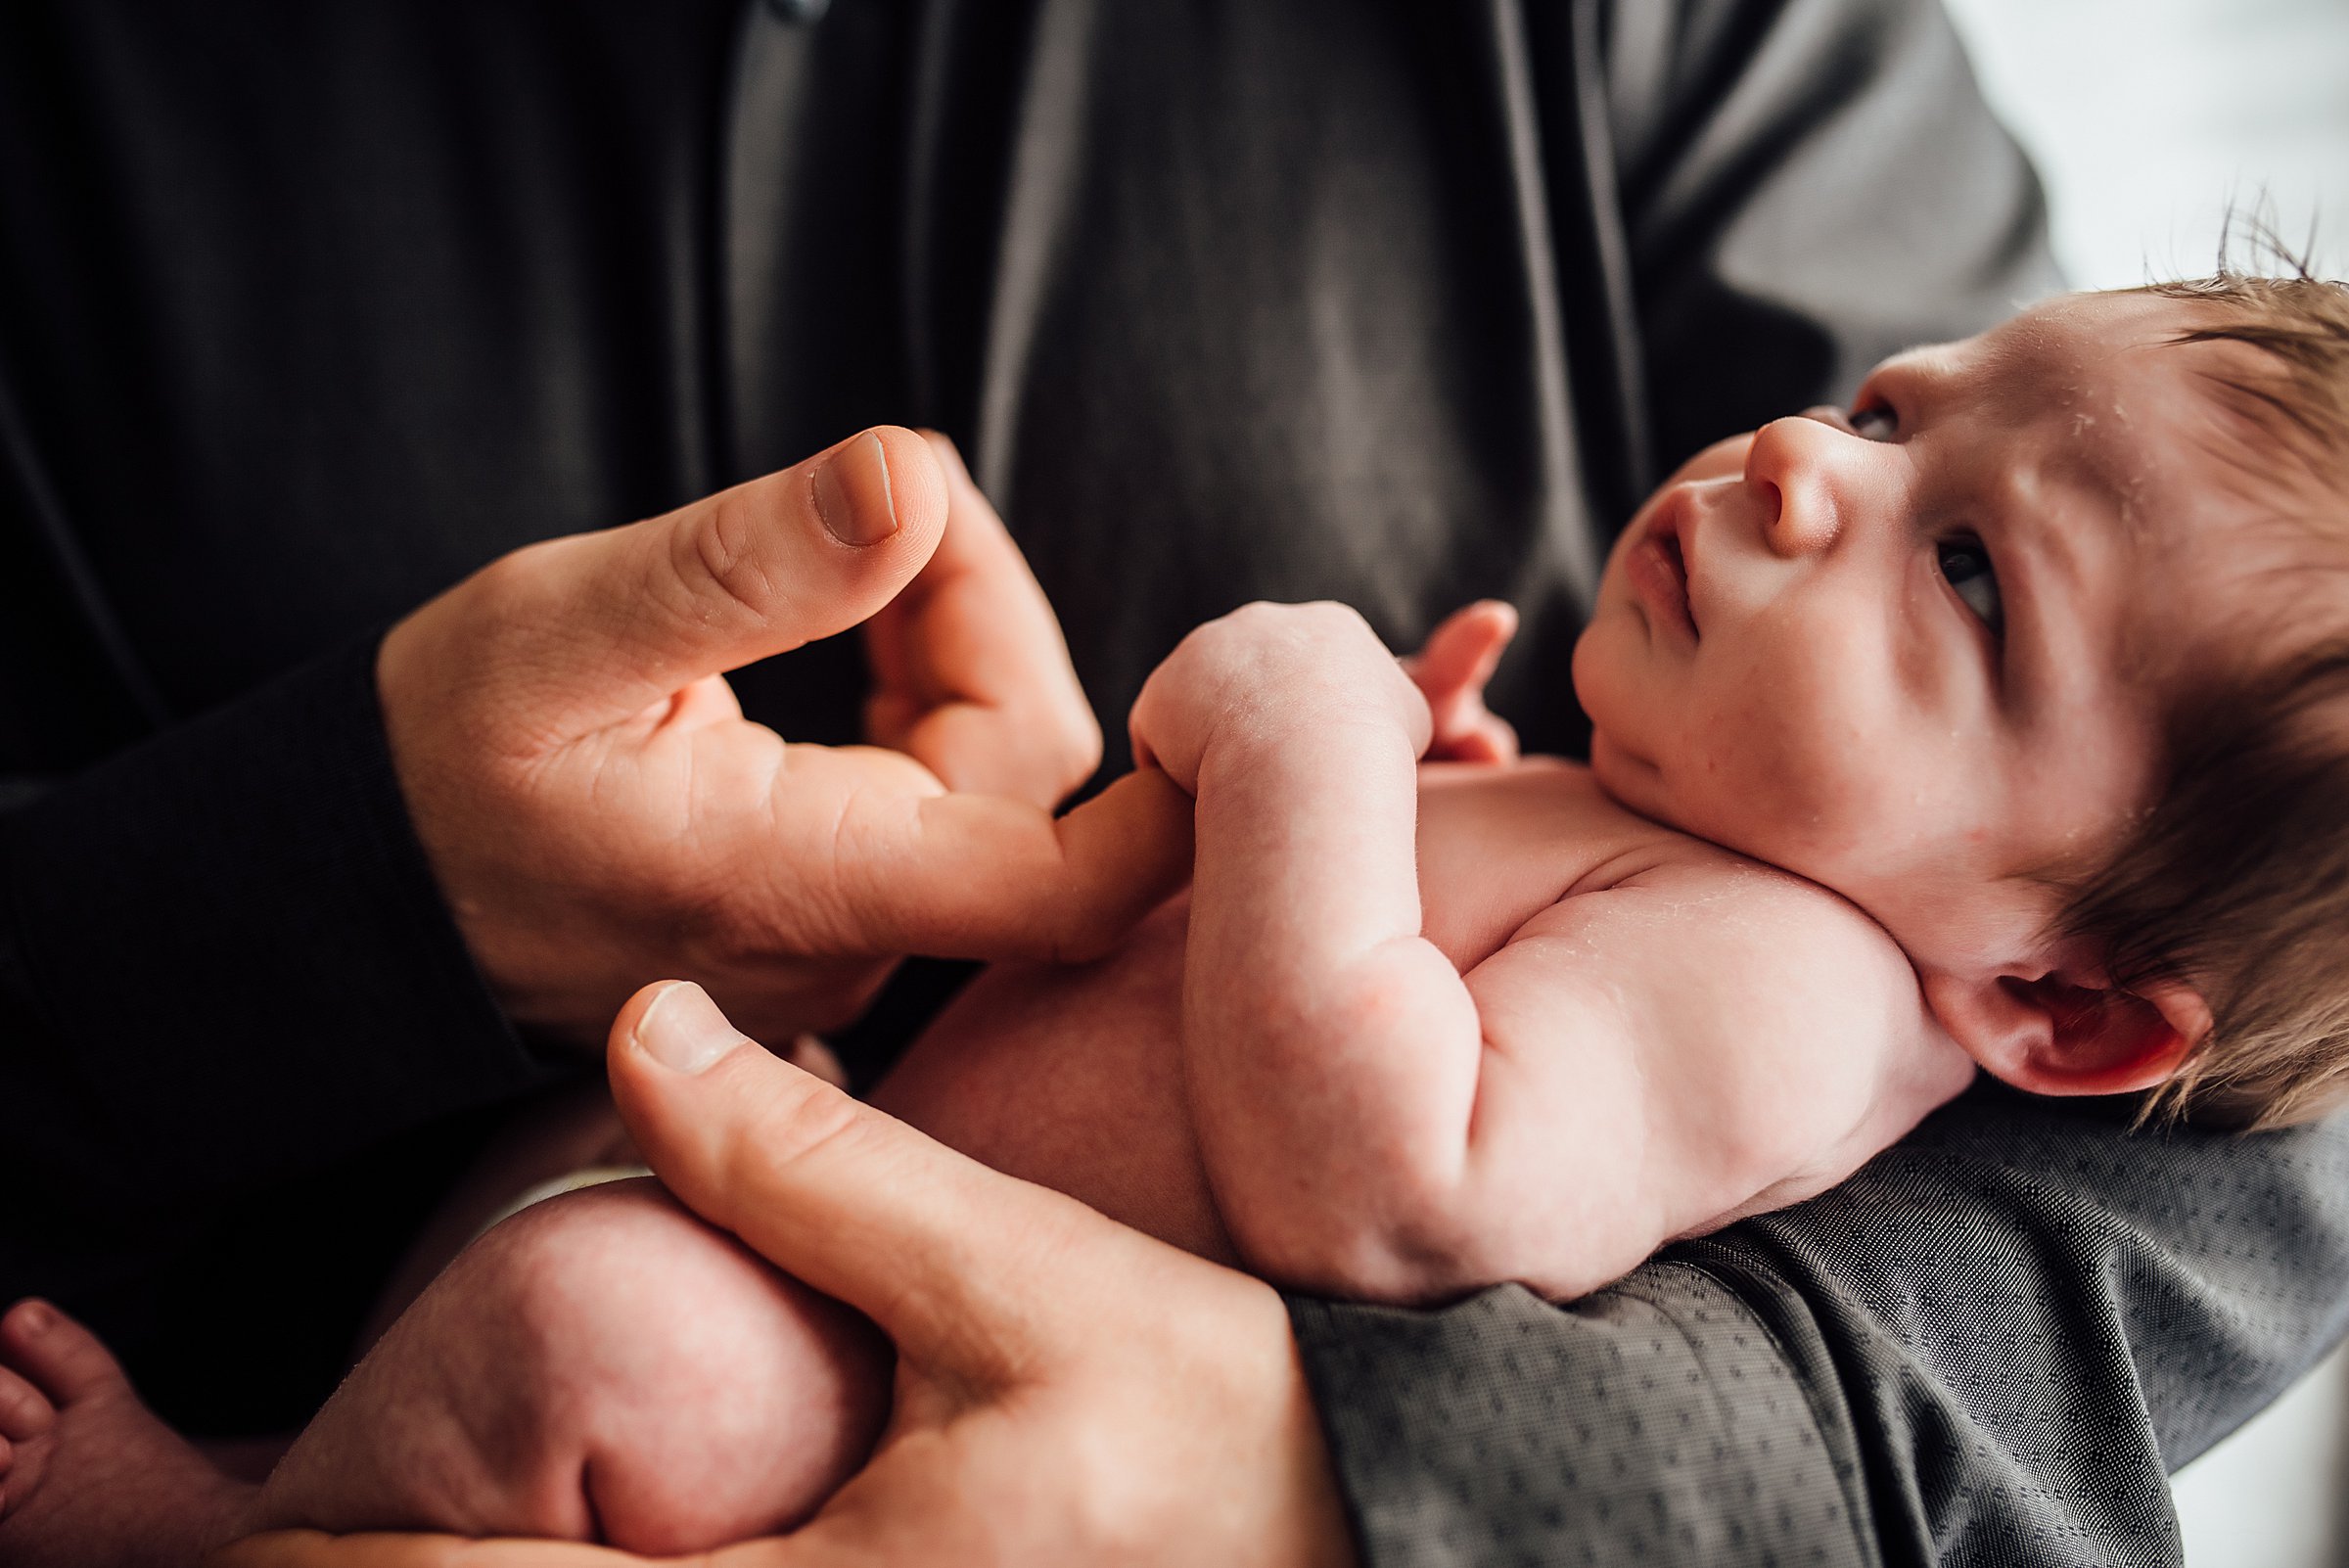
<point x="1633" y="783"/>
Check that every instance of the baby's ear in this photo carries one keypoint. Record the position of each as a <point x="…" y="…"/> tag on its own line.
<point x="2060" y="1034"/>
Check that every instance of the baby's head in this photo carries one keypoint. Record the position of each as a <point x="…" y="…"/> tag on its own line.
<point x="2040" y="655"/>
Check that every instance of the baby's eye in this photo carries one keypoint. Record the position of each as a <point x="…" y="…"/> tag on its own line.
<point x="1876" y="421"/>
<point x="1966" y="565"/>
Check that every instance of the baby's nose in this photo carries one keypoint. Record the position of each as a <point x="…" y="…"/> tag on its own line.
<point x="1794" y="470"/>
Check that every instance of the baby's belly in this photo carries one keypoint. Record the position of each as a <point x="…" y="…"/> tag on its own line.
<point x="1073" y="1079"/>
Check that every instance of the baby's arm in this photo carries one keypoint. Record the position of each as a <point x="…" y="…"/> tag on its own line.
<point x="1626" y="1069"/>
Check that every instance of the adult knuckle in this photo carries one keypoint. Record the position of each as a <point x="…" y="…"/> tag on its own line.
<point x="717" y="555"/>
<point x="506" y="604"/>
<point x="511" y="575"/>
<point x="807" y="1121"/>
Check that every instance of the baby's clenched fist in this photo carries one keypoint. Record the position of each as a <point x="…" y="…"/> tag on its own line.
<point x="1271" y="675"/>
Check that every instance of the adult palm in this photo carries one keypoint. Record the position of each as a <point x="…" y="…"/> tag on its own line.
<point x="598" y="811"/>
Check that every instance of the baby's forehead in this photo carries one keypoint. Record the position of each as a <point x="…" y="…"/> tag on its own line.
<point x="2110" y="392"/>
<point x="2101" y="397"/>
<point x="2077" y="352"/>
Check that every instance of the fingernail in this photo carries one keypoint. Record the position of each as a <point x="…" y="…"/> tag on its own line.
<point x="683" y="1030"/>
<point x="852" y="493"/>
<point x="34" y="1318"/>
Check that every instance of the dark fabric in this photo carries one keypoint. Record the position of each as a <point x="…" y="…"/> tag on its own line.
<point x="241" y="1038"/>
<point x="304" y="311"/>
<point x="1985" y="1348"/>
<point x="1656" y="1421"/>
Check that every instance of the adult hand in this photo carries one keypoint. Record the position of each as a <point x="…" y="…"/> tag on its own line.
<point x="598" y="811"/>
<point x="1068" y="1391"/>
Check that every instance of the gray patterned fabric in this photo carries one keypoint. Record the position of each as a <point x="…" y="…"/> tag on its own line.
<point x="1657" y="1421"/>
<point x="1986" y="1347"/>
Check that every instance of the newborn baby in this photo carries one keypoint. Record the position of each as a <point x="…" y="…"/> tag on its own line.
<point x="1912" y="730"/>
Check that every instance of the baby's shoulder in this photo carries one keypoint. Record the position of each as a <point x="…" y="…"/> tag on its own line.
<point x="1791" y="1013"/>
<point x="1537" y="849"/>
<point x="1775" y="932"/>
<point x="1613" y="847"/>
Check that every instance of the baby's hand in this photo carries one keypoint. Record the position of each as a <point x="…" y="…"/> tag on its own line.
<point x="1451" y="670"/>
<point x="1270" y="674"/>
<point x="970" y="674"/>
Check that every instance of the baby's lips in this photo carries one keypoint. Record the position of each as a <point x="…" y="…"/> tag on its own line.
<point x="1657" y="565"/>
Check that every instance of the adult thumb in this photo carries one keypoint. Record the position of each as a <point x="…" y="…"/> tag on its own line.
<point x="948" y="1257"/>
<point x="605" y="625"/>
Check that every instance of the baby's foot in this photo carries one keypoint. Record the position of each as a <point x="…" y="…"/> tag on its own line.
<point x="87" y="1473"/>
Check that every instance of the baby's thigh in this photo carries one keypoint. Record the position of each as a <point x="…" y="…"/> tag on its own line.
<point x="600" y="1366"/>
<point x="1072" y="1077"/>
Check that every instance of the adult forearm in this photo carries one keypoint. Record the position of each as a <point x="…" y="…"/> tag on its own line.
<point x="1657" y="1421"/>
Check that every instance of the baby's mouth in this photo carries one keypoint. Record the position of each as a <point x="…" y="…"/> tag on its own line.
<point x="1659" y="574"/>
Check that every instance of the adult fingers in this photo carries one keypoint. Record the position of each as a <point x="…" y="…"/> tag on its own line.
<point x="984" y="876"/>
<point x="944" y="1254"/>
<point x="603" y="625"/>
<point x="312" y="1549"/>
<point x="971" y="674"/>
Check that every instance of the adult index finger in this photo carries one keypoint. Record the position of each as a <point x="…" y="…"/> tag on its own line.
<point x="979" y="876"/>
<point x="314" y="1548"/>
<point x="971" y="672"/>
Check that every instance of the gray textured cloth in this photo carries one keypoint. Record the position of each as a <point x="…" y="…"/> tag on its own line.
<point x="1985" y="1348"/>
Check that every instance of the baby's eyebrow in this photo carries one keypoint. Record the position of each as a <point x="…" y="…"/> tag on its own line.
<point x="1924" y="381"/>
<point x="2073" y="528"/>
<point x="2086" y="466"/>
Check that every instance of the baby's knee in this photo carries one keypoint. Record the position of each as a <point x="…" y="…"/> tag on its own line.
<point x="706" y="1395"/>
<point x="603" y="1295"/>
<point x="602" y="1364"/>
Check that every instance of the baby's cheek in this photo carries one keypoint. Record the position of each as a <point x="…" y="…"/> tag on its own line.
<point x="1786" y="783"/>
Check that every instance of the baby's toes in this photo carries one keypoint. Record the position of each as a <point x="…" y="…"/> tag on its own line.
<point x="56" y="1355"/>
<point x="24" y="1412"/>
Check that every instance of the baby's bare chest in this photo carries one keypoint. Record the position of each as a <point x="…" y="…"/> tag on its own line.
<point x="1072" y="1077"/>
<point x="1500" y="845"/>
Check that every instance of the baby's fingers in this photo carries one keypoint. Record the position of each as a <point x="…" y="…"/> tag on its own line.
<point x="1464" y="649"/>
<point x="1451" y="670"/>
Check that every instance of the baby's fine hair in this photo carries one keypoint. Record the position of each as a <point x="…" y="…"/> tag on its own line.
<point x="2237" y="880"/>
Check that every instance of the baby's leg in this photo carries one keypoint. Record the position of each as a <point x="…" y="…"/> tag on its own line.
<point x="601" y="1366"/>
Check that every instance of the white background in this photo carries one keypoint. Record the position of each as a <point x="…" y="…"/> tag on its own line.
<point x="2147" y="119"/>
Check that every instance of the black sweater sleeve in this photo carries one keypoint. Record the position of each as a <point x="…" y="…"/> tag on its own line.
<point x="225" y="966"/>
